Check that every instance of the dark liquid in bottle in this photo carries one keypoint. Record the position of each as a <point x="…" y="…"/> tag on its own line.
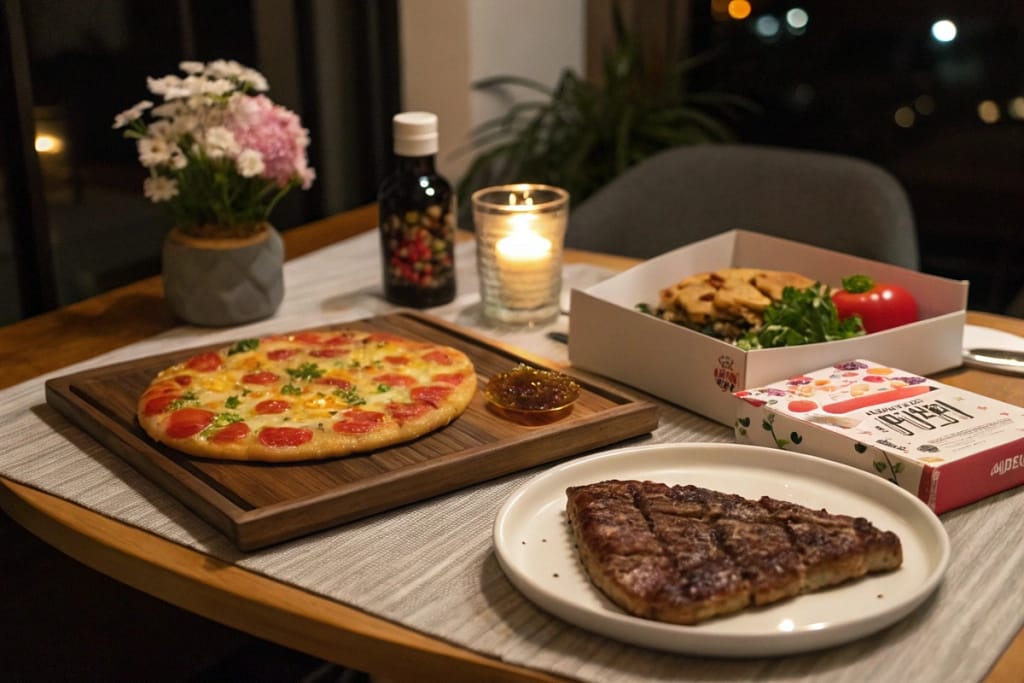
<point x="417" y="232"/>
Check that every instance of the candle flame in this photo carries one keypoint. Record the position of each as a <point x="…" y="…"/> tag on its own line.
<point x="513" y="199"/>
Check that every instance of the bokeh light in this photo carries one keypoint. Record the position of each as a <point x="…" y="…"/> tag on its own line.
<point x="767" y="26"/>
<point x="797" y="19"/>
<point x="904" y="117"/>
<point x="988" y="111"/>
<point x="739" y="9"/>
<point x="1016" y="107"/>
<point x="924" y="105"/>
<point x="944" y="31"/>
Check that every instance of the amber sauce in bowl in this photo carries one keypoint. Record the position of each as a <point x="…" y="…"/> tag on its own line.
<point x="532" y="396"/>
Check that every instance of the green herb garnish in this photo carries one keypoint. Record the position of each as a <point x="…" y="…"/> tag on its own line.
<point x="231" y="402"/>
<point x="802" y="316"/>
<point x="220" y="421"/>
<point x="183" y="400"/>
<point x="244" y="345"/>
<point x="306" y="371"/>
<point x="291" y="390"/>
<point x="350" y="396"/>
<point x="381" y="388"/>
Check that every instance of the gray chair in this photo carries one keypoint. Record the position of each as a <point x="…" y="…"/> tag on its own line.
<point x="685" y="194"/>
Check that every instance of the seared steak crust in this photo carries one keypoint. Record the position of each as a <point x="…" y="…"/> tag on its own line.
<point x="683" y="554"/>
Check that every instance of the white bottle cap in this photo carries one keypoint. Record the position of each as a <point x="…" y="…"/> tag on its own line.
<point x="415" y="133"/>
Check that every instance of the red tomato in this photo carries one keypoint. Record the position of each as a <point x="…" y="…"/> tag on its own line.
<point x="158" y="403"/>
<point x="433" y="394"/>
<point x="359" y="422"/>
<point x="188" y="422"/>
<point x="439" y="357"/>
<point x="204" y="362"/>
<point x="408" y="411"/>
<point x="880" y="306"/>
<point x="285" y="436"/>
<point x="270" y="407"/>
<point x="236" y="431"/>
<point x="260" y="377"/>
<point x="395" y="379"/>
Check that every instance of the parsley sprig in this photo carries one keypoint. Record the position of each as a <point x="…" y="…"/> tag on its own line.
<point x="221" y="420"/>
<point x="188" y="398"/>
<point x="802" y="316"/>
<point x="350" y="396"/>
<point x="244" y="345"/>
<point x="306" y="371"/>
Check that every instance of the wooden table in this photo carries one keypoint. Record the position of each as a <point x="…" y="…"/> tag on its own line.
<point x="241" y="599"/>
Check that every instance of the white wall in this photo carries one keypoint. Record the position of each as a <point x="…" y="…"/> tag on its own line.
<point x="448" y="44"/>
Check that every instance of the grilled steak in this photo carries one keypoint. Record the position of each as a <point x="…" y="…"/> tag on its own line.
<point x="683" y="554"/>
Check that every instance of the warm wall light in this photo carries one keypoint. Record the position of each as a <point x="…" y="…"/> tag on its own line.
<point x="49" y="144"/>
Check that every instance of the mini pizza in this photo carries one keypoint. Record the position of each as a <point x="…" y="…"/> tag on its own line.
<point x="307" y="396"/>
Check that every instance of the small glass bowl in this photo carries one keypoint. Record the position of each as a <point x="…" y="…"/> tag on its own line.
<point x="531" y="395"/>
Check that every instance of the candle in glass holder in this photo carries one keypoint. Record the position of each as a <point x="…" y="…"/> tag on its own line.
<point x="519" y="230"/>
<point x="524" y="261"/>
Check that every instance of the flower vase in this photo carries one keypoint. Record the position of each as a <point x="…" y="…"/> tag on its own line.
<point x="223" y="281"/>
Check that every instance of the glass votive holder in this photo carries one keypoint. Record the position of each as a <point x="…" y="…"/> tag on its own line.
<point x="520" y="230"/>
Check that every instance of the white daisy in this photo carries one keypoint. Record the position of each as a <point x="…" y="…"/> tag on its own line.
<point x="250" y="163"/>
<point x="220" y="141"/>
<point x="190" y="67"/>
<point x="129" y="115"/>
<point x="160" y="189"/>
<point x="153" y="151"/>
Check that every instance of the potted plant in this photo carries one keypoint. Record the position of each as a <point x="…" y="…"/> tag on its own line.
<point x="582" y="134"/>
<point x="220" y="156"/>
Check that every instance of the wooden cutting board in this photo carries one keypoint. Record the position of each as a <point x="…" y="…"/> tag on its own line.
<point x="259" y="504"/>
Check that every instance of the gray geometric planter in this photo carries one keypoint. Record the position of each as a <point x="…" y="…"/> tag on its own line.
<point x="220" y="282"/>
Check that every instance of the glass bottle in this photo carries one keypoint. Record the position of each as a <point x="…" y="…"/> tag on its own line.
<point x="417" y="218"/>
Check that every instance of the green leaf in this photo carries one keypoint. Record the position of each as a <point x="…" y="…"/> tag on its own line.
<point x="244" y="345"/>
<point x="801" y="316"/>
<point x="306" y="371"/>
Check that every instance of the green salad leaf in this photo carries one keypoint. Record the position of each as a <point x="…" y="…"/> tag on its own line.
<point x="802" y="316"/>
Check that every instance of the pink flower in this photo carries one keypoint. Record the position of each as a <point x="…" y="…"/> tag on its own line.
<point x="276" y="133"/>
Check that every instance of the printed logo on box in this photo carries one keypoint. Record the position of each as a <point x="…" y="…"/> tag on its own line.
<point x="725" y="376"/>
<point x="1007" y="465"/>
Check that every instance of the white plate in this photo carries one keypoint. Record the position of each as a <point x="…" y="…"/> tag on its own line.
<point x="535" y="549"/>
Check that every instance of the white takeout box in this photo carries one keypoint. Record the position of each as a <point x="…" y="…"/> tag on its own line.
<point x="610" y="337"/>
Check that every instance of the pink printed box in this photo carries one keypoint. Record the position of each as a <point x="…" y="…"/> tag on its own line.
<point x="947" y="446"/>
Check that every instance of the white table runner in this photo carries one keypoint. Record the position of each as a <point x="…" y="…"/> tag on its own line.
<point x="396" y="566"/>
